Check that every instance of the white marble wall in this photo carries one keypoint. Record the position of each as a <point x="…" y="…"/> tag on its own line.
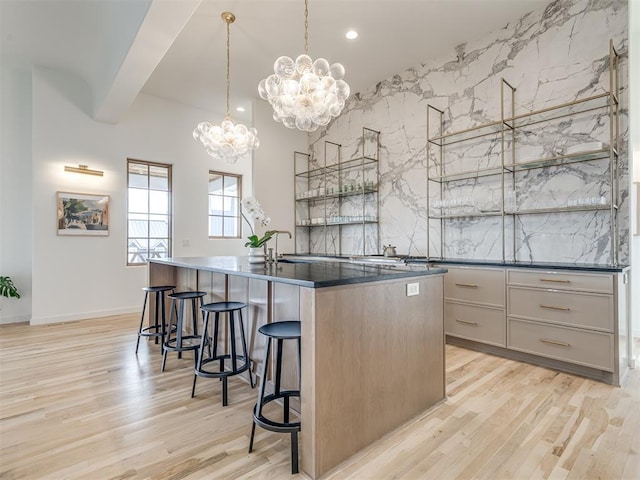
<point x="551" y="56"/>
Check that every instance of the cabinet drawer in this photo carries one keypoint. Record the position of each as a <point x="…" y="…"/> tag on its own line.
<point x="483" y="286"/>
<point x="560" y="280"/>
<point x="486" y="325"/>
<point x="592" y="349"/>
<point x="564" y="308"/>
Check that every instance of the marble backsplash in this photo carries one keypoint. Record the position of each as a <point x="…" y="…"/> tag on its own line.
<point x="551" y="56"/>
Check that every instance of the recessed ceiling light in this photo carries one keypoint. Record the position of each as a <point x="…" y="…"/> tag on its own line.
<point x="351" y="34"/>
<point x="240" y="109"/>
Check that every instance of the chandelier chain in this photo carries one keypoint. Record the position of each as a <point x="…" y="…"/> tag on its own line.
<point x="228" y="66"/>
<point x="306" y="27"/>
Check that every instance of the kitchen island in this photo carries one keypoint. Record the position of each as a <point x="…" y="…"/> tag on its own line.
<point x="372" y="340"/>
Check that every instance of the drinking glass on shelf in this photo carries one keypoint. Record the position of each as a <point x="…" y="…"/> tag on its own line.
<point x="510" y="201"/>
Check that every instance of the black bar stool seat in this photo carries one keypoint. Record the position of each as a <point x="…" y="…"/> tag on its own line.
<point x="279" y="331"/>
<point x="213" y="364"/>
<point x="158" y="329"/>
<point x="182" y="342"/>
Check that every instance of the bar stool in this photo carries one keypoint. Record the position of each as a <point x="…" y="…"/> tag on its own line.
<point x="202" y="365"/>
<point x="181" y="342"/>
<point x="279" y="331"/>
<point x="157" y="330"/>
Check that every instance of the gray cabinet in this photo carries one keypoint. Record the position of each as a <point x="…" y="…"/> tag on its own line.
<point x="571" y="324"/>
<point x="571" y="320"/>
<point x="474" y="304"/>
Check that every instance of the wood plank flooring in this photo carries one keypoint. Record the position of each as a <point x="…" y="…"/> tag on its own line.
<point x="76" y="403"/>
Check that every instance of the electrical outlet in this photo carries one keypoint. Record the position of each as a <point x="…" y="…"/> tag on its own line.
<point x="186" y="243"/>
<point x="413" y="289"/>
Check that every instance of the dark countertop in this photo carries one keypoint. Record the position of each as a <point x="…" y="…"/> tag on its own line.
<point x="313" y="274"/>
<point x="585" y="267"/>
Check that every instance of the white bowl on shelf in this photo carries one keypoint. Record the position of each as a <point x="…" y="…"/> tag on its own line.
<point x="584" y="147"/>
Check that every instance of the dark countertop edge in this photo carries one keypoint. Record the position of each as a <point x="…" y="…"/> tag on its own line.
<point x="264" y="275"/>
<point x="397" y="274"/>
<point x="589" y="267"/>
<point x="585" y="267"/>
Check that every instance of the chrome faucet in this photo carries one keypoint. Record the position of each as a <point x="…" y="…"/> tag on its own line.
<point x="277" y="232"/>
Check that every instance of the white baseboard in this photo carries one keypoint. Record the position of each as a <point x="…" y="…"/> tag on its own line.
<point x="83" y="316"/>
<point x="6" y="319"/>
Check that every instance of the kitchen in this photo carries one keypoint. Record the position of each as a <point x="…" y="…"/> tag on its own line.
<point x="397" y="107"/>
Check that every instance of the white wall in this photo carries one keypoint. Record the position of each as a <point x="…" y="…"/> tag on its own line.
<point x="634" y="148"/>
<point x="86" y="277"/>
<point x="551" y="56"/>
<point x="15" y="190"/>
<point x="273" y="172"/>
<point x="70" y="278"/>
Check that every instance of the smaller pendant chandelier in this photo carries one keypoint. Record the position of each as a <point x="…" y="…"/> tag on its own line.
<point x="305" y="94"/>
<point x="228" y="141"/>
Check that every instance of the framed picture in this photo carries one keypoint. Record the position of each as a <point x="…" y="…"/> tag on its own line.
<point x="83" y="214"/>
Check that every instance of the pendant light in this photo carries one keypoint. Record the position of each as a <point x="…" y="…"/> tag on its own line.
<point x="228" y="141"/>
<point x="305" y="94"/>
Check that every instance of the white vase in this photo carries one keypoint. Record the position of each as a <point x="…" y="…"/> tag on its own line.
<point x="257" y="255"/>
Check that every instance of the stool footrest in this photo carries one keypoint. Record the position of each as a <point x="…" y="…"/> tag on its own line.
<point x="171" y="344"/>
<point x="272" y="425"/>
<point x="277" y="427"/>
<point x="201" y="372"/>
<point x="153" y="331"/>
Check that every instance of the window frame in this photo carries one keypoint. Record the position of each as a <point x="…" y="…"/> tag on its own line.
<point x="238" y="217"/>
<point x="169" y="191"/>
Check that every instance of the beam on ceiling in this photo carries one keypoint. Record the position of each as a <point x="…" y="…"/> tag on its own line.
<point x="161" y="25"/>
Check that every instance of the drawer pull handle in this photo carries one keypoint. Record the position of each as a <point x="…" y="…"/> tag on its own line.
<point x="475" y="324"/>
<point x="468" y="285"/>
<point x="552" y="307"/>
<point x="553" y="342"/>
<point x="554" y="280"/>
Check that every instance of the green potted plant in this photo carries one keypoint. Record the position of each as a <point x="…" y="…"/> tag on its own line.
<point x="7" y="288"/>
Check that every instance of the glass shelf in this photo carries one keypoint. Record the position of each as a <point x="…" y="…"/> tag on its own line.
<point x="577" y="208"/>
<point x="532" y="211"/>
<point x="561" y="160"/>
<point x="359" y="162"/>
<point x="317" y="198"/>
<point x="469" y="133"/>
<point x="558" y="111"/>
<point x="333" y="224"/>
<point x="488" y="213"/>
<point x="452" y="177"/>
<point x="601" y="154"/>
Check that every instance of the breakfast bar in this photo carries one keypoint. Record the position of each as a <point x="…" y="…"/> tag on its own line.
<point x="372" y="340"/>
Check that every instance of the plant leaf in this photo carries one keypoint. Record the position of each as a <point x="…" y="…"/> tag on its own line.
<point x="7" y="288"/>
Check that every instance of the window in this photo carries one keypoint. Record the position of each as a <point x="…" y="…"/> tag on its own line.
<point x="225" y="192"/>
<point x="148" y="211"/>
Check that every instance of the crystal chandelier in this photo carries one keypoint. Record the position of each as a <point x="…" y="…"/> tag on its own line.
<point x="305" y="94"/>
<point x="228" y="141"/>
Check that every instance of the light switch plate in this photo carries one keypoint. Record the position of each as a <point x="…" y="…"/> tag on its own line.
<point x="413" y="289"/>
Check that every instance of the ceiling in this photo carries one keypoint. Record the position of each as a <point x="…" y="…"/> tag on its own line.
<point x="94" y="39"/>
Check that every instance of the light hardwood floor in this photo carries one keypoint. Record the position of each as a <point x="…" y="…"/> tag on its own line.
<point x="76" y="403"/>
